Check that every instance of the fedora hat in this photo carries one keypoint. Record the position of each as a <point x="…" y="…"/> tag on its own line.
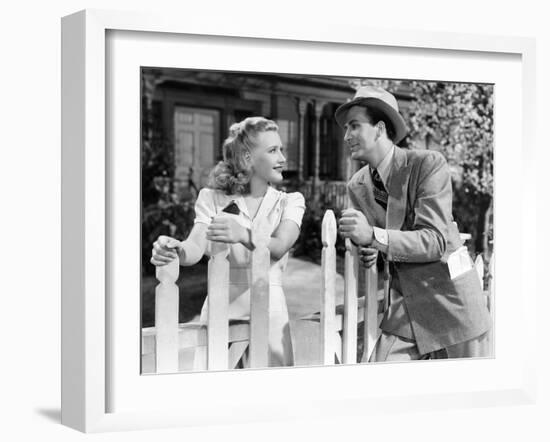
<point x="377" y="98"/>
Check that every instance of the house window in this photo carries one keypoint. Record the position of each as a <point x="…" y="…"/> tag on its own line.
<point x="196" y="136"/>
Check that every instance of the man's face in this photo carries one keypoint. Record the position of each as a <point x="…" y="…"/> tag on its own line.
<point x="360" y="135"/>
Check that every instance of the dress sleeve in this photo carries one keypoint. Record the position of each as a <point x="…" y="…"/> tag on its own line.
<point x="294" y="208"/>
<point x="205" y="207"/>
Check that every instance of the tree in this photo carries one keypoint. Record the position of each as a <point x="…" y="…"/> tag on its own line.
<point x="457" y="119"/>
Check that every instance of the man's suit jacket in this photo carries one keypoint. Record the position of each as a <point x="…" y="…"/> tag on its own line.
<point x="421" y="236"/>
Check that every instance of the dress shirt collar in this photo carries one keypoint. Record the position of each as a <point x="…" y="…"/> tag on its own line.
<point x="384" y="167"/>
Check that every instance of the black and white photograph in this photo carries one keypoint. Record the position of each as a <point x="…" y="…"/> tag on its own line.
<point x="299" y="220"/>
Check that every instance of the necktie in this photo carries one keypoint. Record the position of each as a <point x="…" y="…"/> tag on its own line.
<point x="380" y="194"/>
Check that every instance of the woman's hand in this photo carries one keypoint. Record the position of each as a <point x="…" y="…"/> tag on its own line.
<point x="227" y="230"/>
<point x="368" y="256"/>
<point x="165" y="250"/>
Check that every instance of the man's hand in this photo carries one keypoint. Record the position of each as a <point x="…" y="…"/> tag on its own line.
<point x="354" y="225"/>
<point x="368" y="256"/>
<point x="226" y="229"/>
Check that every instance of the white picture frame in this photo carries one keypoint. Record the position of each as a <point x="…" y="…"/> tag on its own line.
<point x="86" y="204"/>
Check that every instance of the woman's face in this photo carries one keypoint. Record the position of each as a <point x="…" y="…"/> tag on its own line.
<point x="267" y="157"/>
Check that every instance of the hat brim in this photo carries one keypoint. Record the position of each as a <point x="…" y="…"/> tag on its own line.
<point x="399" y="125"/>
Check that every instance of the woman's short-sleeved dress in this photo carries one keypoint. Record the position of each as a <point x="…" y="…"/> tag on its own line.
<point x="276" y="207"/>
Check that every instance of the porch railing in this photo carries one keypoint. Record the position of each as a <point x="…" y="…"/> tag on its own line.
<point x="333" y="194"/>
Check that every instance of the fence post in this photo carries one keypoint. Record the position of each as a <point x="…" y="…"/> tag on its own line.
<point x="491" y="303"/>
<point x="328" y="302"/>
<point x="349" y="332"/>
<point x="479" y="269"/>
<point x="167" y="318"/>
<point x="371" y="311"/>
<point x="259" y="296"/>
<point x="218" y="307"/>
<point x="387" y="284"/>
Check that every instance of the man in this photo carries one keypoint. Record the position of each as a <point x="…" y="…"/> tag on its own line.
<point x="402" y="204"/>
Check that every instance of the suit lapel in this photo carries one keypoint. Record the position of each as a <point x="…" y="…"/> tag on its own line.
<point x="364" y="196"/>
<point x="397" y="190"/>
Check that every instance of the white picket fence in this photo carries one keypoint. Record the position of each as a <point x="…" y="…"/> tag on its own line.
<point x="321" y="338"/>
<point x="330" y="335"/>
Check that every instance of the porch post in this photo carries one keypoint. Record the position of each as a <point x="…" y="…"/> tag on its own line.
<point x="148" y="89"/>
<point x="319" y="106"/>
<point x="301" y="105"/>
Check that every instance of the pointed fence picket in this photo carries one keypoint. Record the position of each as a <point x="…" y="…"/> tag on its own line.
<point x="491" y="303"/>
<point x="491" y="286"/>
<point x="478" y="264"/>
<point x="166" y="318"/>
<point x="328" y="288"/>
<point x="370" y="312"/>
<point x="259" y="296"/>
<point x="489" y="294"/>
<point x="349" y="332"/>
<point x="218" y="307"/>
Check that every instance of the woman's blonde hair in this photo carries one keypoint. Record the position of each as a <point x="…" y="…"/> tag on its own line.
<point x="232" y="175"/>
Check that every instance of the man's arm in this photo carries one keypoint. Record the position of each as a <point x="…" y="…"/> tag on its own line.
<point x="427" y="239"/>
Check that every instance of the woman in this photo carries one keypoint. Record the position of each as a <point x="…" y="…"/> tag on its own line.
<point x="239" y="196"/>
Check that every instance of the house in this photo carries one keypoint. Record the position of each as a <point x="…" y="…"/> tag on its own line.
<point x="191" y="112"/>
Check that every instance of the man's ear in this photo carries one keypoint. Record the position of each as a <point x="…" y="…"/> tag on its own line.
<point x="380" y="129"/>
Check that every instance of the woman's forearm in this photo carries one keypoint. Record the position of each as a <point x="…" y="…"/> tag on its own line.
<point x="283" y="239"/>
<point x="279" y="243"/>
<point x="190" y="253"/>
<point x="279" y="247"/>
<point x="194" y="247"/>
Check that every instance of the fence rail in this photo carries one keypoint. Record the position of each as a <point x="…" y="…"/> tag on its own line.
<point x="325" y="337"/>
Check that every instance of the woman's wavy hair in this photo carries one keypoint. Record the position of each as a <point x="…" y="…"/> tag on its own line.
<point x="232" y="175"/>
